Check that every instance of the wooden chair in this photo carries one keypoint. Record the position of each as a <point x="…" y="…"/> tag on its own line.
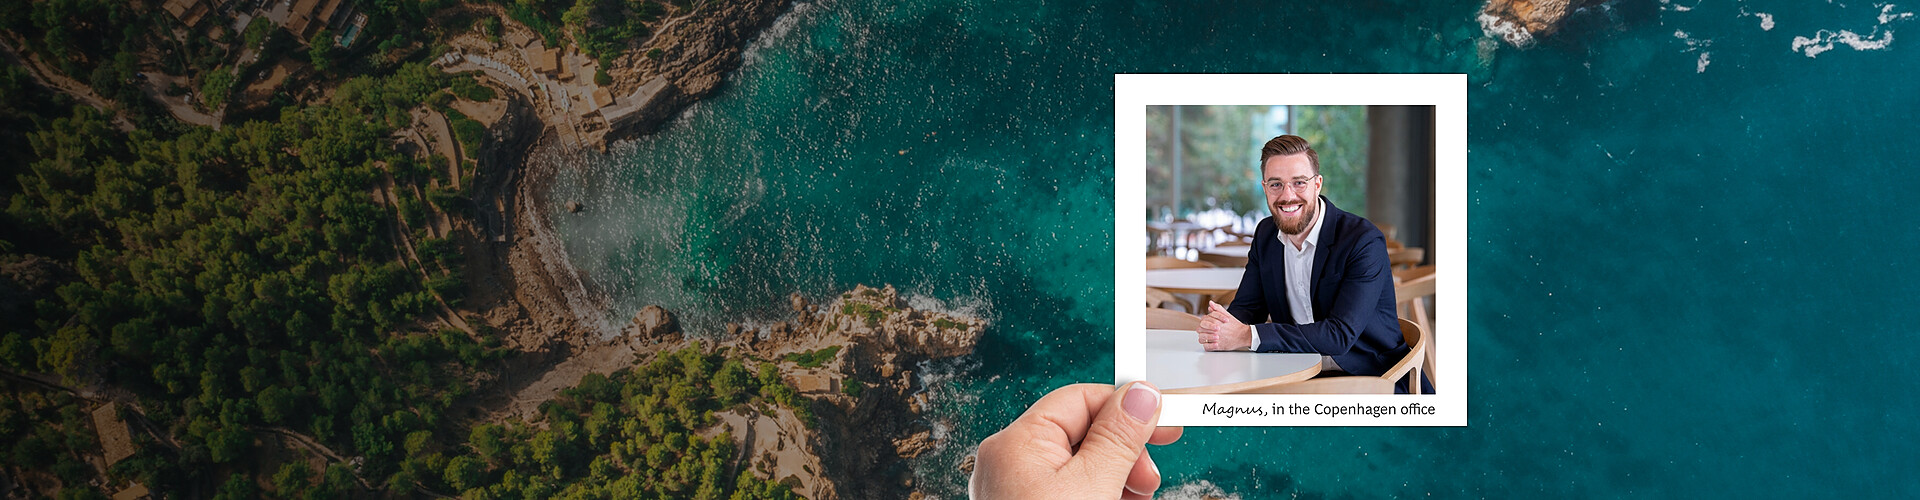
<point x="1223" y="260"/>
<point x="1408" y="368"/>
<point x="1334" y="385"/>
<point x="1225" y="299"/>
<point x="1406" y="257"/>
<point x="1168" y="319"/>
<point x="1157" y="298"/>
<point x="1165" y="262"/>
<point x="1410" y="297"/>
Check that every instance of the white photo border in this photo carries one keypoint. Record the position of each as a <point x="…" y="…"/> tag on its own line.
<point x="1447" y="93"/>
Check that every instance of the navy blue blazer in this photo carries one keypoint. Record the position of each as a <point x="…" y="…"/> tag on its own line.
<point x="1354" y="320"/>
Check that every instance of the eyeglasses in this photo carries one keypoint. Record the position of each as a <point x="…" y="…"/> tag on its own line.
<point x="1296" y="185"/>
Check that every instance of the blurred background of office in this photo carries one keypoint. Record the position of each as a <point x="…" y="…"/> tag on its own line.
<point x="1203" y="170"/>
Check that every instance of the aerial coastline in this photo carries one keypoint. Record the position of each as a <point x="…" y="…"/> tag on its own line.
<point x="525" y="338"/>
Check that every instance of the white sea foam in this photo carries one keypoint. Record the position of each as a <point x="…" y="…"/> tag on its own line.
<point x="1878" y="39"/>
<point x="778" y="31"/>
<point x="1197" y="490"/>
<point x="1500" y="28"/>
<point x="1695" y="44"/>
<point x="976" y="305"/>
<point x="1887" y="15"/>
<point x="1766" y="21"/>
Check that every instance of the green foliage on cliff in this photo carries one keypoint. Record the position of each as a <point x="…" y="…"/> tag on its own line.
<point x="871" y="314"/>
<point x="470" y="89"/>
<point x="241" y="279"/>
<point x="645" y="432"/>
<point x="541" y="16"/>
<point x="813" y="358"/>
<point x="467" y="131"/>
<point x="604" y="29"/>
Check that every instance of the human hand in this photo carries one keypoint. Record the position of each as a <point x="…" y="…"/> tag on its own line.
<point x="1079" y="441"/>
<point x="1220" y="331"/>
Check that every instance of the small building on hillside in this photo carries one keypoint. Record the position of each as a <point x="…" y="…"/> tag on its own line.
<point x="115" y="440"/>
<point x="189" y="12"/>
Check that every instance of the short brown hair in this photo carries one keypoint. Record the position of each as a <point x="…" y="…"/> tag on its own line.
<point x="1288" y="145"/>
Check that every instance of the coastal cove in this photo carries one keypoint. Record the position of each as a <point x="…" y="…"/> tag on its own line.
<point x="524" y="355"/>
<point x="773" y="249"/>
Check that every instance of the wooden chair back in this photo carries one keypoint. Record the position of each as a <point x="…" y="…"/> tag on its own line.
<point x="1410" y="296"/>
<point x="1406" y="257"/>
<point x="1408" y="368"/>
<point x="1167" y="262"/>
<point x="1157" y="298"/>
<point x="1168" y="319"/>
<point x="1334" y="385"/>
<point x="1225" y="299"/>
<point x="1223" y="260"/>
<point x="1411" y="365"/>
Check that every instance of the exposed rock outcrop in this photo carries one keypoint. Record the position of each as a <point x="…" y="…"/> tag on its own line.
<point x="1520" y="22"/>
<point x="655" y="325"/>
<point x="868" y="399"/>
<point x="684" y="62"/>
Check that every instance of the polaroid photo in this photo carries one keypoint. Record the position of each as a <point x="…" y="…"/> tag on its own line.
<point x="1291" y="249"/>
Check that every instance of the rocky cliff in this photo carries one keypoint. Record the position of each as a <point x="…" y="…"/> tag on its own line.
<point x="854" y="359"/>
<point x="1521" y="22"/>
<point x="686" y="60"/>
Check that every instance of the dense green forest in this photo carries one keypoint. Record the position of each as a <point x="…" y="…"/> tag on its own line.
<point x="240" y="280"/>
<point x="631" y="435"/>
<point x="250" y="292"/>
<point x="244" y="281"/>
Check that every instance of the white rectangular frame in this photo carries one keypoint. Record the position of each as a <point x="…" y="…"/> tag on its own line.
<point x="1447" y="93"/>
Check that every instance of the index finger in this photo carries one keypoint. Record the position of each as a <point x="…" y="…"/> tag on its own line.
<point x="1221" y="314"/>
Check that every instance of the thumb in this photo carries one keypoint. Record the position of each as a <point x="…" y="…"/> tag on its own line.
<point x="1117" y="437"/>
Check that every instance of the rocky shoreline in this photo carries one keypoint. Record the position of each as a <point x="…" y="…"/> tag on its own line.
<point x="526" y="285"/>
<point x="867" y="397"/>
<point x="1523" y="22"/>
<point x="526" y="288"/>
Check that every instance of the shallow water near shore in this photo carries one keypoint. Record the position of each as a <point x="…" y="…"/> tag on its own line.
<point x="1645" y="316"/>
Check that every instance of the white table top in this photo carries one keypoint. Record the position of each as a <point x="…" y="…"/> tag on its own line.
<point x="1198" y="280"/>
<point x="1176" y="361"/>
<point x="1229" y="251"/>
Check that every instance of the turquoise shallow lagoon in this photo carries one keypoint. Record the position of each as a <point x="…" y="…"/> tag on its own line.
<point x="1687" y="279"/>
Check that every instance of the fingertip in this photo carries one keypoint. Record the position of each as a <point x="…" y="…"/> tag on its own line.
<point x="1142" y="401"/>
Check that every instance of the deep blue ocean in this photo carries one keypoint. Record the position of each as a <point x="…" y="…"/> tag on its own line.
<point x="1691" y="243"/>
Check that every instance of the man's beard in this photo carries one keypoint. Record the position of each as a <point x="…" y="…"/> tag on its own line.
<point x="1307" y="212"/>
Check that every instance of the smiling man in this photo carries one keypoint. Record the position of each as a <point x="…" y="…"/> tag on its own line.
<point x="1317" y="279"/>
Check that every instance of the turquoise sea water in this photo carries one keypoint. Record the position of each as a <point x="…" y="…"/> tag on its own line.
<point x="1686" y="281"/>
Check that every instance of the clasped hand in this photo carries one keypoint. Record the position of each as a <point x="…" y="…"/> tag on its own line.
<point x="1220" y="331"/>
